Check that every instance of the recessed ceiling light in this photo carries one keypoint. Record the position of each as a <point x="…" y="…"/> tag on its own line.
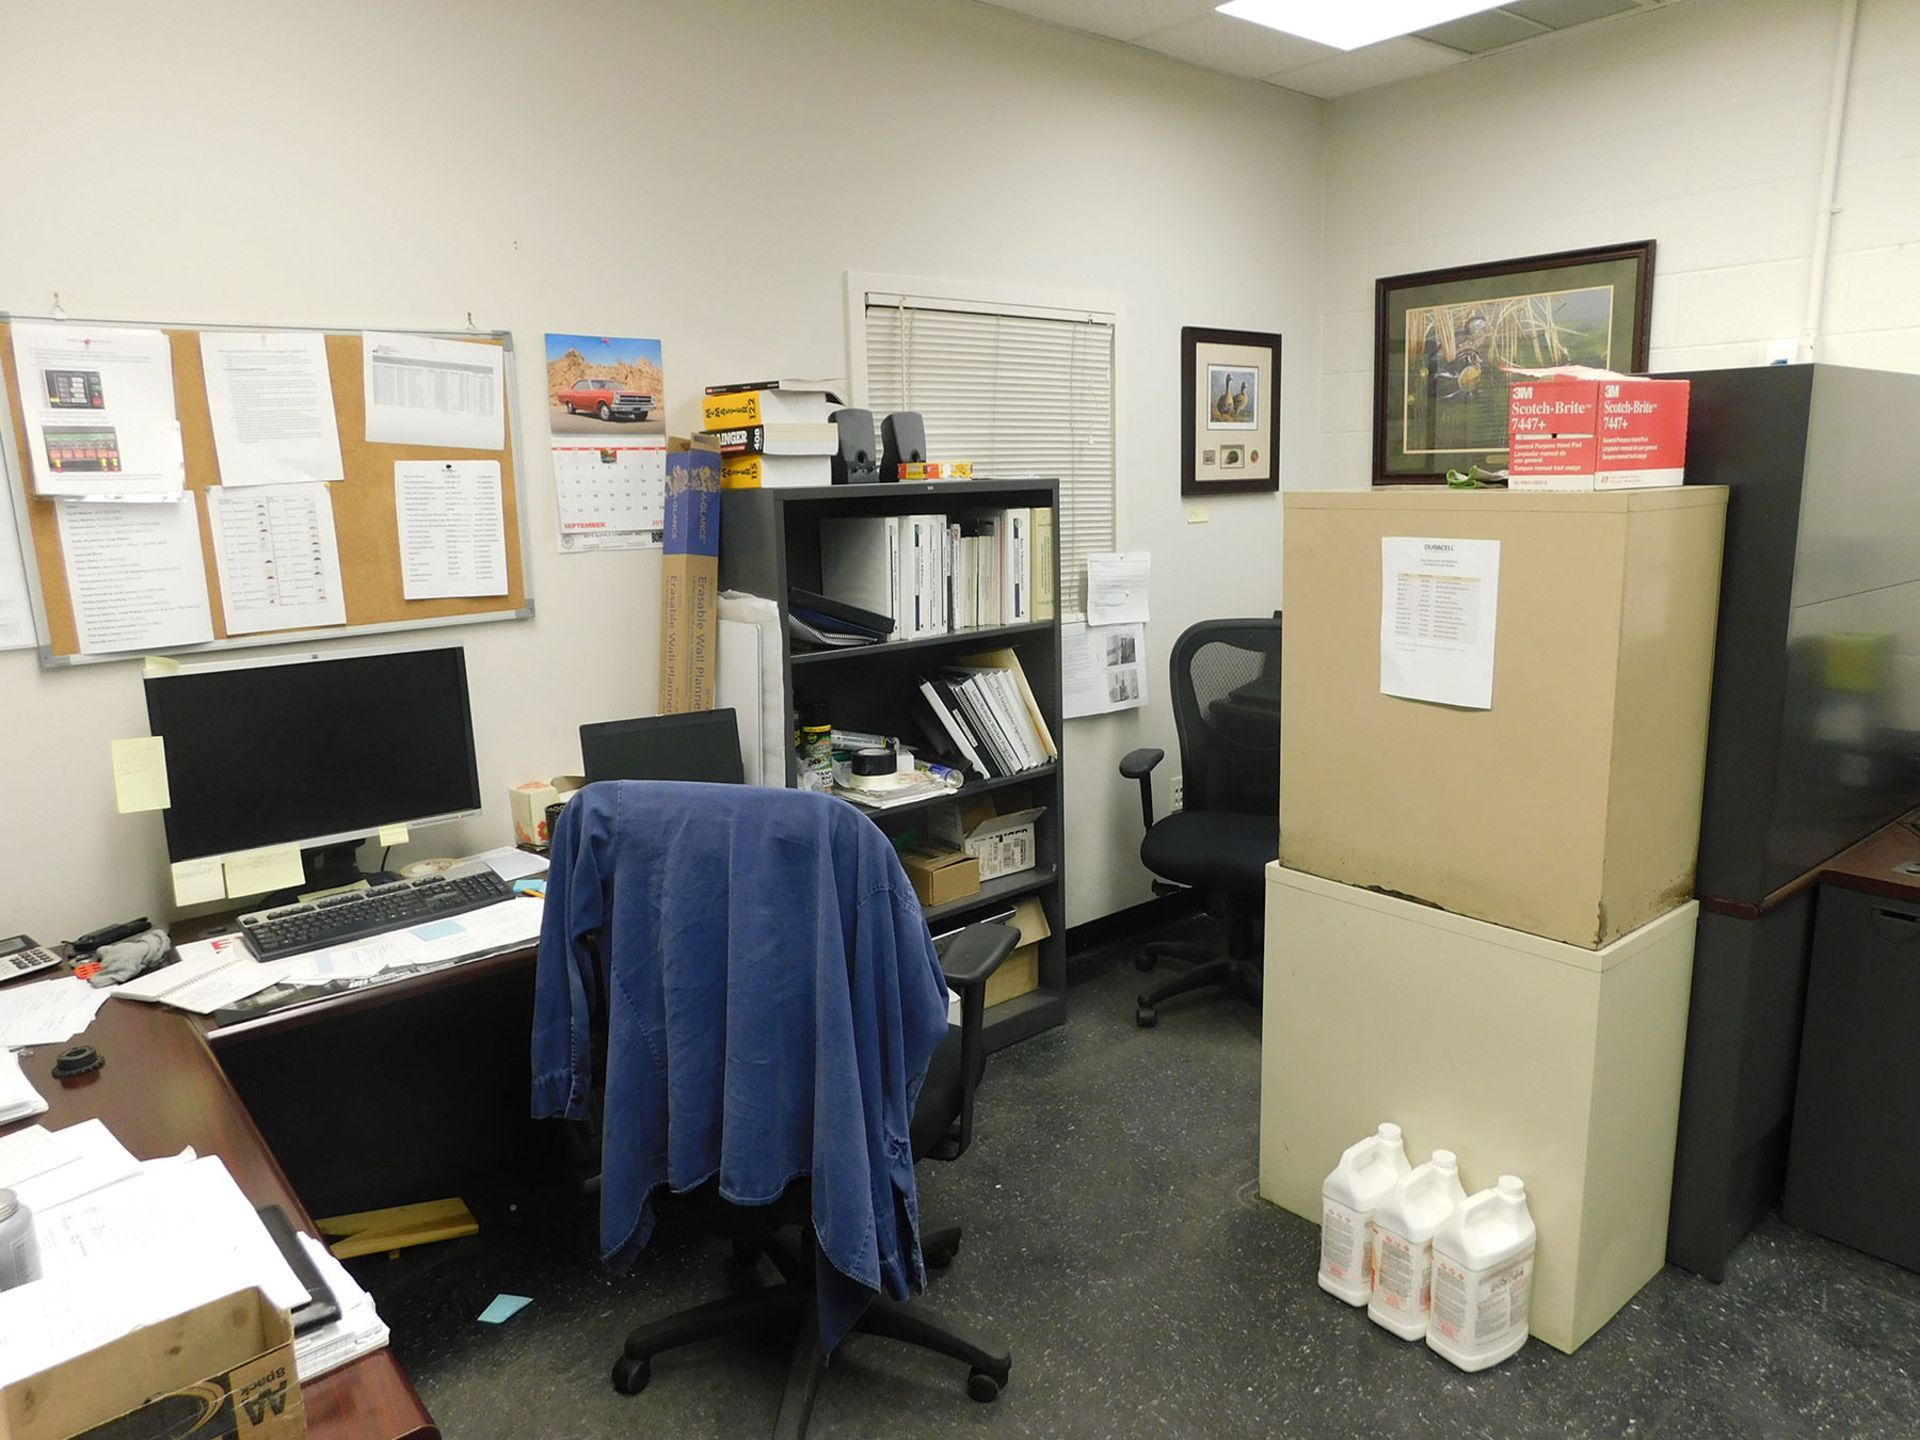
<point x="1349" y="24"/>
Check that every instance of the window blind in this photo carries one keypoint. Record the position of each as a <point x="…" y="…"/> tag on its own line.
<point x="1016" y="390"/>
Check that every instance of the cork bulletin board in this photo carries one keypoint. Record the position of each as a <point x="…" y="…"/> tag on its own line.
<point x="363" y="505"/>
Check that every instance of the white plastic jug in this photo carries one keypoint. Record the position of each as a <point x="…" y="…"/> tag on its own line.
<point x="1365" y="1174"/>
<point x="1483" y="1277"/>
<point x="1404" y="1224"/>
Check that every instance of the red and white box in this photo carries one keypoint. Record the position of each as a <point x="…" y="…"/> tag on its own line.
<point x="1596" y="431"/>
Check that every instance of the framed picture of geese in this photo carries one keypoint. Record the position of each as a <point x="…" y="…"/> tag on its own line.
<point x="1230" y="411"/>
<point x="1447" y="342"/>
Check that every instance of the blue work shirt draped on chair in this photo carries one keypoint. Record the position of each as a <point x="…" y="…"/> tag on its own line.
<point x="772" y="1000"/>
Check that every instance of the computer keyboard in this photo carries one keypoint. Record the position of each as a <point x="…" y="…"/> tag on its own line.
<point x="314" y="925"/>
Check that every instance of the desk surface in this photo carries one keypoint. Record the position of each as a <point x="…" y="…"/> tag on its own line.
<point x="162" y="1090"/>
<point x="1878" y="863"/>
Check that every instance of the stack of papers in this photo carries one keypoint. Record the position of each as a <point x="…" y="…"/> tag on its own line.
<point x="18" y="1098"/>
<point x="209" y="975"/>
<point x="359" y="1330"/>
<point x="47" y="1012"/>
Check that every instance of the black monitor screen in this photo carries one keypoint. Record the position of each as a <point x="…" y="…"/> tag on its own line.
<point x="313" y="749"/>
<point x="702" y="745"/>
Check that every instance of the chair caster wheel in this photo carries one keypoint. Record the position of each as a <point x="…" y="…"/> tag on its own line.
<point x="982" y="1387"/>
<point x="1143" y="962"/>
<point x="1145" y="1016"/>
<point x="942" y="1258"/>
<point x="630" y="1376"/>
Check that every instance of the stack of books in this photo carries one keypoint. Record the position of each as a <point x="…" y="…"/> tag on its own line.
<point x="935" y="574"/>
<point x="772" y="433"/>
<point x="983" y="715"/>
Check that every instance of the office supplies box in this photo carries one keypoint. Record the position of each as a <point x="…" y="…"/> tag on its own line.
<point x="1019" y="973"/>
<point x="941" y="875"/>
<point x="1003" y="844"/>
<point x="222" y="1369"/>
<point x="690" y="577"/>
<point x="1570" y="808"/>
<point x="1596" y="432"/>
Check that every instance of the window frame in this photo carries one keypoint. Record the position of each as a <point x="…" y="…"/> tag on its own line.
<point x="991" y="297"/>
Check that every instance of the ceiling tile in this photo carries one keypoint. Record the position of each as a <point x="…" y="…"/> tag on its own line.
<point x="1342" y="73"/>
<point x="1558" y="14"/>
<point x="1488" y="30"/>
<point x="1118" y="19"/>
<point x="1234" y="47"/>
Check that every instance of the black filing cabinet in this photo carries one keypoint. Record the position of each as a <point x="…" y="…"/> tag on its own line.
<point x="1853" y="1170"/>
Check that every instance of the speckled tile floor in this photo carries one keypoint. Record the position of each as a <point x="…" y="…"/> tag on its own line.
<point x="1114" y="1244"/>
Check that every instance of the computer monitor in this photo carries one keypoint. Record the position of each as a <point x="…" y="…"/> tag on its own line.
<point x="313" y="750"/>
<point x="699" y="745"/>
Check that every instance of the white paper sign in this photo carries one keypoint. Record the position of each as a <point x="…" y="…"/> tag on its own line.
<point x="16" y="609"/>
<point x="1439" y="601"/>
<point x="1118" y="585"/>
<point x="453" y="539"/>
<point x="271" y="401"/>
<point x="278" y="557"/>
<point x="1103" y="668"/>
<point x="136" y="573"/>
<point x="99" y="408"/>
<point x="425" y="391"/>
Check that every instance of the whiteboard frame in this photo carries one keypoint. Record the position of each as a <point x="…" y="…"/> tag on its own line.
<point x="14" y="475"/>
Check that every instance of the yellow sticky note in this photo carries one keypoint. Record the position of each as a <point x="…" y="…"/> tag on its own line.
<point x="393" y="834"/>
<point x="1196" y="515"/>
<point x="261" y="870"/>
<point x="158" y="665"/>
<point x="197" y="881"/>
<point x="140" y="774"/>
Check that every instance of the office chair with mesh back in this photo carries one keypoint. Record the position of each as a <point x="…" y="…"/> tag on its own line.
<point x="1226" y="708"/>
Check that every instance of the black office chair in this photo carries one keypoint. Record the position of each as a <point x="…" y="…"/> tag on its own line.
<point x="1226" y="708"/>
<point x="942" y="1130"/>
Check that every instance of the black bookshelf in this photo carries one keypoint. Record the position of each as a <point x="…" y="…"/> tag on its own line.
<point x="770" y="543"/>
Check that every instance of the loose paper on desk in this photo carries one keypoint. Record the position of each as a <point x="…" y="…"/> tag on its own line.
<point x="1103" y="668"/>
<point x="95" y="1160"/>
<point x="422" y="390"/>
<point x="271" y="400"/>
<point x="1439" y="601"/>
<point x="136" y="574"/>
<point x="99" y="407"/>
<point x="16" y="609"/>
<point x="18" y="1099"/>
<point x="278" y="557"/>
<point x="1117" y="587"/>
<point x="453" y="539"/>
<point x="140" y="774"/>
<point x="47" y="1012"/>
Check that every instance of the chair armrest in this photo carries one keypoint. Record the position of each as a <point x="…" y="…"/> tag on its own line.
<point x="1138" y="765"/>
<point x="976" y="952"/>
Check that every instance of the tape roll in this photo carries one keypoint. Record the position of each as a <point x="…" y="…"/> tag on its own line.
<point x="875" y="760"/>
<point x="427" y="867"/>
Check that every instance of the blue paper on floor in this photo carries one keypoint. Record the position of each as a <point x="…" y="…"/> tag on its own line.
<point x="504" y="1308"/>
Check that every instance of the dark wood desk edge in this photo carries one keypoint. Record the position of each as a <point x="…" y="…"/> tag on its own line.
<point x="370" y="1398"/>
<point x="370" y="997"/>
<point x="1873" y="865"/>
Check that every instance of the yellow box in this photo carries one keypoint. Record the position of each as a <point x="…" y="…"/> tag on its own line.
<point x="1019" y="973"/>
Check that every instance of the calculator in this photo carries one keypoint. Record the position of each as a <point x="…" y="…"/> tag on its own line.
<point x="22" y="955"/>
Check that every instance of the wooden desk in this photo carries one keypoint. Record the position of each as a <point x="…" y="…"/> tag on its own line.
<point x="161" y="1091"/>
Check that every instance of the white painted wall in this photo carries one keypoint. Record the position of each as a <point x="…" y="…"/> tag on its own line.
<point x="1700" y="126"/>
<point x="377" y="164"/>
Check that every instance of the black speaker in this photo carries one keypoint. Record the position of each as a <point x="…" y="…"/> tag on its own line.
<point x="903" y="441"/>
<point x="857" y="461"/>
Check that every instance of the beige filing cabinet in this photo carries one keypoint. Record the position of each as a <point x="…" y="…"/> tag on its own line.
<point x="1529" y="1057"/>
<point x="1571" y="808"/>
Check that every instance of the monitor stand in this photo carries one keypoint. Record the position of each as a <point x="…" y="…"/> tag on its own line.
<point x="329" y="867"/>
